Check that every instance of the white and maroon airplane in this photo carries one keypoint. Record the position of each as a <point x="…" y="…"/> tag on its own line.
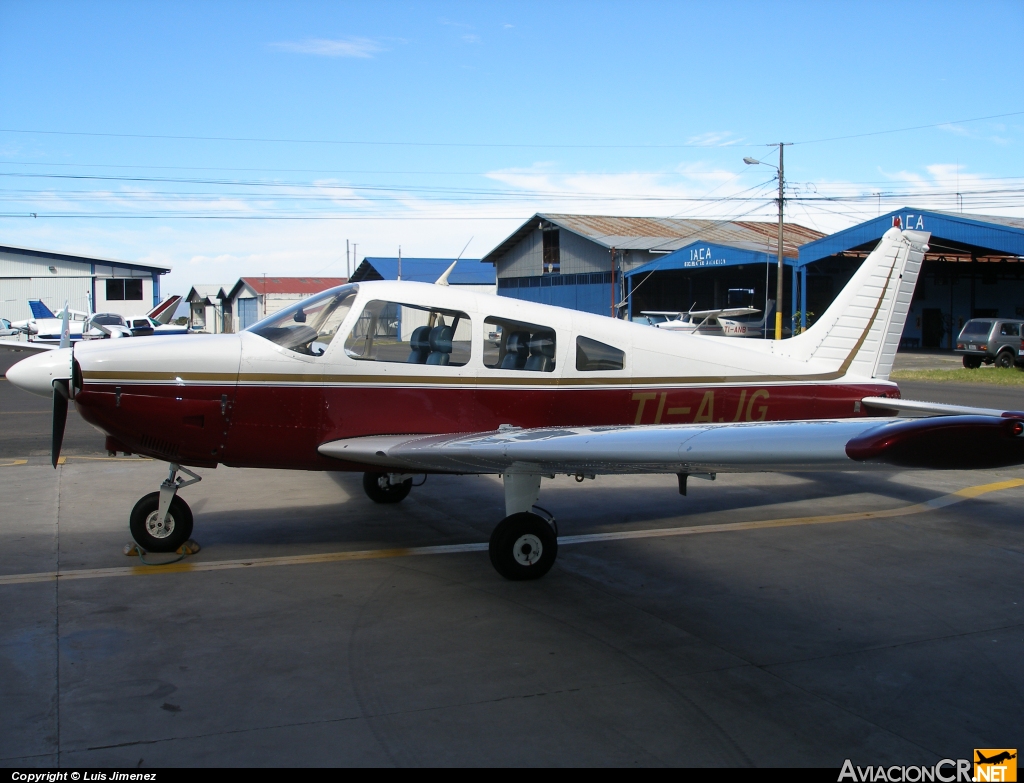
<point x="397" y="379"/>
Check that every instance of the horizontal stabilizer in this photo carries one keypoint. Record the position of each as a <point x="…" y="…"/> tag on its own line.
<point x="936" y="408"/>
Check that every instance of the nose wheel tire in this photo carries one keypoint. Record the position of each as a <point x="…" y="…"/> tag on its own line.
<point x="380" y="490"/>
<point x="156" y="535"/>
<point x="523" y="546"/>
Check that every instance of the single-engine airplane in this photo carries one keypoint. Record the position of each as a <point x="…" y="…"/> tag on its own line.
<point x="396" y="379"/>
<point x="723" y="322"/>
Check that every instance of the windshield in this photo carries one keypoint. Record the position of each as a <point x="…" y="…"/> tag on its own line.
<point x="108" y="319"/>
<point x="308" y="326"/>
<point x="977" y="328"/>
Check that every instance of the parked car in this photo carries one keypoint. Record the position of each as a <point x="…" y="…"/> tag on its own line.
<point x="991" y="340"/>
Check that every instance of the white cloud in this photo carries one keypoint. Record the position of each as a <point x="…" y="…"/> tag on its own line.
<point x="471" y="38"/>
<point x="326" y="47"/>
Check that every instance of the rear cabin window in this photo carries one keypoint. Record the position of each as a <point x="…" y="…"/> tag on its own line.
<point x="977" y="328"/>
<point x="1009" y="330"/>
<point x="514" y="345"/>
<point x="410" y="334"/>
<point x="592" y="356"/>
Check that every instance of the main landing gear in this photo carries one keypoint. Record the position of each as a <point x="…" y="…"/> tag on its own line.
<point x="523" y="546"/>
<point x="162" y="521"/>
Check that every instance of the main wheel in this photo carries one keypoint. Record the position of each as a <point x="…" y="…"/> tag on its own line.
<point x="972" y="362"/>
<point x="1004" y="359"/>
<point x="523" y="546"/>
<point x="152" y="534"/>
<point x="380" y="490"/>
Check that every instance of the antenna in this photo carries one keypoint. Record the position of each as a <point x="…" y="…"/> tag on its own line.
<point x="443" y="279"/>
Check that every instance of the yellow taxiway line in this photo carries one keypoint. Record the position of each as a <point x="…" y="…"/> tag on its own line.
<point x="959" y="496"/>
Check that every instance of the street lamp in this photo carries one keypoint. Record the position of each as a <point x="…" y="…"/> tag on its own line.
<point x="778" y="286"/>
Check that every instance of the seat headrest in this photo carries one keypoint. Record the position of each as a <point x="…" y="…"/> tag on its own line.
<point x="543" y="344"/>
<point x="420" y="339"/>
<point x="518" y="343"/>
<point x="441" y="339"/>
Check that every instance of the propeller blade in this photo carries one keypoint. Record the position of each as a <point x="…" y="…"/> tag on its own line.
<point x="60" y="418"/>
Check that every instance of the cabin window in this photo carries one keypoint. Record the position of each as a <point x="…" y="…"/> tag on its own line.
<point x="592" y="356"/>
<point x="514" y="345"/>
<point x="410" y="334"/>
<point x="1009" y="330"/>
<point x="309" y="326"/>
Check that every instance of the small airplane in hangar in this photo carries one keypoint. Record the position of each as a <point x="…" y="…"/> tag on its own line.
<point x="397" y="379"/>
<point x="43" y="331"/>
<point x="722" y="322"/>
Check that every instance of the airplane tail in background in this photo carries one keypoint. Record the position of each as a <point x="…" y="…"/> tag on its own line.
<point x="164" y="311"/>
<point x="39" y="310"/>
<point x="860" y="331"/>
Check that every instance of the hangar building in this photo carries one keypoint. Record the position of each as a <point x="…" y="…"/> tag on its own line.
<point x="579" y="261"/>
<point x="206" y="307"/>
<point x="124" y="287"/>
<point x="973" y="269"/>
<point x="253" y="298"/>
<point x="468" y="272"/>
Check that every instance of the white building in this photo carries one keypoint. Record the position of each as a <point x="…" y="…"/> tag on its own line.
<point x="206" y="308"/>
<point x="254" y="298"/>
<point x="100" y="285"/>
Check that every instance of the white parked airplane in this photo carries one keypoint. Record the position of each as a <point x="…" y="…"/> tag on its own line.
<point x="395" y="379"/>
<point x="722" y="322"/>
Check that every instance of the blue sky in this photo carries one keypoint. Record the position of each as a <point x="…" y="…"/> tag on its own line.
<point x="458" y="120"/>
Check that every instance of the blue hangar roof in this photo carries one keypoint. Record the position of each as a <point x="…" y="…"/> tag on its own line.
<point x="469" y="271"/>
<point x="707" y="255"/>
<point x="953" y="234"/>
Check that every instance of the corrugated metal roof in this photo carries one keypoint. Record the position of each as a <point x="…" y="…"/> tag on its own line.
<point x="640" y="233"/>
<point x="288" y="285"/>
<point x="425" y="270"/>
<point x="1001" y="220"/>
<point x="203" y="291"/>
<point x="33" y="251"/>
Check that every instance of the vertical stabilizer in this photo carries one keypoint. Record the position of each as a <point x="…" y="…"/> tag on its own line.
<point x="860" y="331"/>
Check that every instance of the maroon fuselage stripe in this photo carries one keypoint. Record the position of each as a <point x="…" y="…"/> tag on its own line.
<point x="281" y="426"/>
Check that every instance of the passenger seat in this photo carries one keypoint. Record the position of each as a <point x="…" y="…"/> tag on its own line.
<point x="440" y="345"/>
<point x="420" y="344"/>
<point x="542" y="353"/>
<point x="517" y="350"/>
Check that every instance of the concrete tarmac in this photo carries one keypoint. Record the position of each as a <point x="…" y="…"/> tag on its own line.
<point x="891" y="638"/>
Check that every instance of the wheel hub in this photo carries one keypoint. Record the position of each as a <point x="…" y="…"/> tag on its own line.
<point x="527" y="549"/>
<point x="159" y="529"/>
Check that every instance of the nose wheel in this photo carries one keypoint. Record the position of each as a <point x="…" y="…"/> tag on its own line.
<point x="523" y="546"/>
<point x="162" y="521"/>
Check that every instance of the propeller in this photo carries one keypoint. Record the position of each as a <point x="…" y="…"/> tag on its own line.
<point x="61" y="394"/>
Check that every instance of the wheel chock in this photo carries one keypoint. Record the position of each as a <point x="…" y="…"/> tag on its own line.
<point x="190" y="547"/>
<point x="132" y="550"/>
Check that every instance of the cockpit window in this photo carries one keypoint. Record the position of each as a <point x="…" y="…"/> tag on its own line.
<point x="514" y="345"/>
<point x="410" y="334"/>
<point x="108" y="319"/>
<point x="592" y="356"/>
<point x="308" y="326"/>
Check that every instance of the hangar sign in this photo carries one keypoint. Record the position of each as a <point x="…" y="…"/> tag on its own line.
<point x="701" y="256"/>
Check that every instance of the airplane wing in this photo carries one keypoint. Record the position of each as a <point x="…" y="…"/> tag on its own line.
<point x="28" y="347"/>
<point x="723" y="313"/>
<point x="953" y="442"/>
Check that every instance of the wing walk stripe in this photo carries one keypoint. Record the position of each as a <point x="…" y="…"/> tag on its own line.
<point x="383" y="554"/>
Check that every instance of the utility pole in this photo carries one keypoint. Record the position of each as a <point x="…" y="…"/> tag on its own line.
<point x="778" y="284"/>
<point x="348" y="264"/>
<point x="399" y="262"/>
<point x="355" y="257"/>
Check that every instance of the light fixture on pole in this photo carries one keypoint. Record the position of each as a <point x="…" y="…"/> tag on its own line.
<point x="778" y="285"/>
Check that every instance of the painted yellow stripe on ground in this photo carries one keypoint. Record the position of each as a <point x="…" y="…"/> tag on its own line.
<point x="62" y="460"/>
<point x="13" y="462"/>
<point x="382" y="554"/>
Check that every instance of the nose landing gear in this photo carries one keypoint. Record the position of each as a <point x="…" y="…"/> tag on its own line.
<point x="162" y="521"/>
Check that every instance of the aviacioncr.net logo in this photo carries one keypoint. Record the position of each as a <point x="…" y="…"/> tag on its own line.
<point x="945" y="771"/>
